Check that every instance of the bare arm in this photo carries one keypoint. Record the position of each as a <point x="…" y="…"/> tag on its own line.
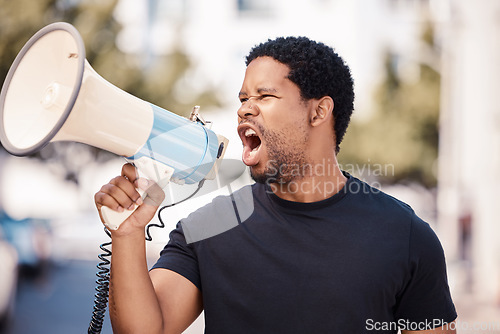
<point x="164" y="302"/>
<point x="442" y="330"/>
<point x="180" y="300"/>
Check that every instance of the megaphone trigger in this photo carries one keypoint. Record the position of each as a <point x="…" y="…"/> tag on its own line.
<point x="153" y="170"/>
<point x="159" y="176"/>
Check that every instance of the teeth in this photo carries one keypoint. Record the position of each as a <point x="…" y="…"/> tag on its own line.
<point x="250" y="132"/>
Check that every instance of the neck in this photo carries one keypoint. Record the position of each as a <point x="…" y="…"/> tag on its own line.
<point x="319" y="180"/>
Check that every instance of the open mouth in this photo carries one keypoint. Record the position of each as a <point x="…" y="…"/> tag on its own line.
<point x="251" y="144"/>
<point x="253" y="141"/>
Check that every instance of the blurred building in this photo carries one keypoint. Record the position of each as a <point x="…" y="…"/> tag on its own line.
<point x="218" y="34"/>
<point x="469" y="158"/>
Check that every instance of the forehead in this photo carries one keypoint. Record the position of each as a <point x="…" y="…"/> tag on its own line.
<point x="265" y="72"/>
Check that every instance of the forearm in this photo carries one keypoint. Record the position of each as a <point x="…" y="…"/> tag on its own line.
<point x="133" y="305"/>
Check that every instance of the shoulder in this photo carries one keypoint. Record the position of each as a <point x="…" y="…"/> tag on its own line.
<point x="424" y="243"/>
<point x="221" y="215"/>
<point x="398" y="216"/>
<point x="376" y="202"/>
<point x="389" y="216"/>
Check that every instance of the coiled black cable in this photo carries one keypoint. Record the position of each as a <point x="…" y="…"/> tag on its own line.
<point x="162" y="224"/>
<point x="102" y="288"/>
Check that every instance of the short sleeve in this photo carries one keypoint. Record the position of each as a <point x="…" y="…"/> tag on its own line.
<point x="180" y="257"/>
<point x="426" y="297"/>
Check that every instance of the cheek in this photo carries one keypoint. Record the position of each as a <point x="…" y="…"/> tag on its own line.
<point x="284" y="116"/>
<point x="294" y="123"/>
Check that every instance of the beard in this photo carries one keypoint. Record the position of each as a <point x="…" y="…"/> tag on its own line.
<point x="286" y="156"/>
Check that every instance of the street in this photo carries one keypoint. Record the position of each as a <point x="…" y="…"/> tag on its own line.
<point x="59" y="301"/>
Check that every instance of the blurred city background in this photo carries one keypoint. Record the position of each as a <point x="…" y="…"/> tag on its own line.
<point x="426" y="129"/>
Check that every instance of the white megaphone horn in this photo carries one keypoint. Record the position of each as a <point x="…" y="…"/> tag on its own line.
<point x="51" y="93"/>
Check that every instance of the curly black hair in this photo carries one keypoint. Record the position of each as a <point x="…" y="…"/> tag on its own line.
<point x="317" y="70"/>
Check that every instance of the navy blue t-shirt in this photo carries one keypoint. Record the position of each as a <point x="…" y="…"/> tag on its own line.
<point x="358" y="262"/>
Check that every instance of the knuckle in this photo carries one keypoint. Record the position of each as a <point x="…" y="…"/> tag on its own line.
<point x="107" y="188"/>
<point x="120" y="182"/>
<point x="110" y="190"/>
<point x="135" y="196"/>
<point x="98" y="199"/>
<point x="116" y="180"/>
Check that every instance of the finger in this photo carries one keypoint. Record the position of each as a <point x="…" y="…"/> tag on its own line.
<point x="130" y="172"/>
<point x="127" y="187"/>
<point x="152" y="201"/>
<point x="155" y="195"/>
<point x="118" y="195"/>
<point x="103" y="199"/>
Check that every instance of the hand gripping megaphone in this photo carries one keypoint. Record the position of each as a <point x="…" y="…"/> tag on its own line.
<point x="51" y="93"/>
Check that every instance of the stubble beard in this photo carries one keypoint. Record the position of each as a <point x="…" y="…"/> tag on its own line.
<point x="286" y="157"/>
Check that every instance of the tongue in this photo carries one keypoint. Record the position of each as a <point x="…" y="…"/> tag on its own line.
<point x="250" y="157"/>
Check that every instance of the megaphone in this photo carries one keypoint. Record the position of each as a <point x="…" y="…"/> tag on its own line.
<point x="51" y="93"/>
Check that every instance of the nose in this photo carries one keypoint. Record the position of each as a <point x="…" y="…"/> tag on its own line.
<point x="248" y="109"/>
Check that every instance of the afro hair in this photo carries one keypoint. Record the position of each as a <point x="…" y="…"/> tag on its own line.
<point x="318" y="71"/>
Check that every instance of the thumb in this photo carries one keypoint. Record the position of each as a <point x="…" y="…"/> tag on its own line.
<point x="154" y="196"/>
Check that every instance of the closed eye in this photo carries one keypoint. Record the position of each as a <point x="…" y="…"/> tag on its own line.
<point x="260" y="97"/>
<point x="264" y="96"/>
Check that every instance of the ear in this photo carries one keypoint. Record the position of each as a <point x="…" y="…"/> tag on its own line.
<point x="322" y="111"/>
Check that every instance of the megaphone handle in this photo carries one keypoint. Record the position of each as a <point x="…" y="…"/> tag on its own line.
<point x="113" y="219"/>
<point x="153" y="170"/>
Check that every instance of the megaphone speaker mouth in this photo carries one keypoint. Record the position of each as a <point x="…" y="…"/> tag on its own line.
<point x="41" y="88"/>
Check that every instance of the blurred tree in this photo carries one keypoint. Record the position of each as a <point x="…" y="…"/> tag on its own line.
<point x="401" y="136"/>
<point x="20" y="19"/>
